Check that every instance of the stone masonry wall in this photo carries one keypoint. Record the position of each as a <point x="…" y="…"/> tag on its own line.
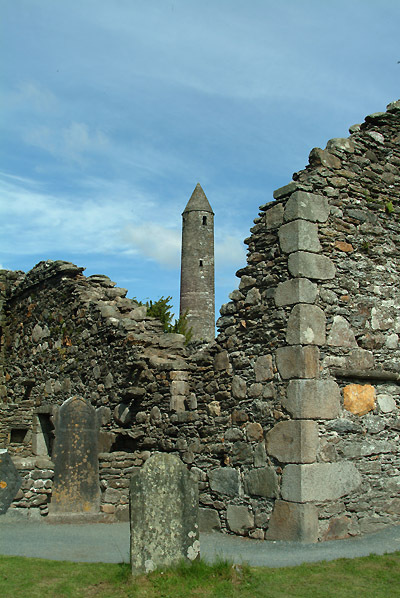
<point x="290" y="419"/>
<point x="306" y="364"/>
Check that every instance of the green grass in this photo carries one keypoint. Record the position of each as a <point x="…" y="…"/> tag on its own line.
<point x="372" y="576"/>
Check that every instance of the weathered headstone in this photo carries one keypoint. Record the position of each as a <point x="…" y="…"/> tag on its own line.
<point x="76" y="468"/>
<point x="164" y="514"/>
<point x="10" y="481"/>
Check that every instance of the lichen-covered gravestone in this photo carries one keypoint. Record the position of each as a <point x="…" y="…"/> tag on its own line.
<point x="10" y="481"/>
<point x="76" y="467"/>
<point x="164" y="514"/>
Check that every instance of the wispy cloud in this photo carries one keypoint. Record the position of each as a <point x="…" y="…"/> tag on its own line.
<point x="155" y="242"/>
<point x="74" y="142"/>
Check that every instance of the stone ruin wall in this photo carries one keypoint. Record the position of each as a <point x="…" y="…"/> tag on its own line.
<point x="290" y="420"/>
<point x="311" y="339"/>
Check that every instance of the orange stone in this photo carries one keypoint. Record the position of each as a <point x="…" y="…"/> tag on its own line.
<point x="359" y="399"/>
<point x="343" y="246"/>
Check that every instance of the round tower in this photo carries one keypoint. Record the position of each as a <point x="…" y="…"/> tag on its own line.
<point x="197" y="266"/>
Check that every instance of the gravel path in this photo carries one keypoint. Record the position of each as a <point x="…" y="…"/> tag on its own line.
<point x="109" y="543"/>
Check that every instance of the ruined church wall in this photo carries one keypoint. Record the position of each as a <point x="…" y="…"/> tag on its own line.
<point x="306" y="364"/>
<point x="68" y="335"/>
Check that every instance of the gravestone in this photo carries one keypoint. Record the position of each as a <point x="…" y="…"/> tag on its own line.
<point x="164" y="514"/>
<point x="76" y="468"/>
<point x="10" y="481"/>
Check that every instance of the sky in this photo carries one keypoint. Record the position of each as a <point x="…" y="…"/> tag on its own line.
<point x="113" y="110"/>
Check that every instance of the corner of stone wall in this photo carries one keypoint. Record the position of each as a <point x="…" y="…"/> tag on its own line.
<point x="294" y="442"/>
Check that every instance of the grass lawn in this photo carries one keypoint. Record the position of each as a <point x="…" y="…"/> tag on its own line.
<point x="372" y="576"/>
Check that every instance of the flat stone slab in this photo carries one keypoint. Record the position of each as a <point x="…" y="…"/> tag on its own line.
<point x="164" y="514"/>
<point x="307" y="206"/>
<point x="295" y="290"/>
<point x="224" y="480"/>
<point x="299" y="235"/>
<point x="298" y="362"/>
<point x="76" y="487"/>
<point x="312" y="399"/>
<point x="319" y="481"/>
<point x="293" y="441"/>
<point x="306" y="325"/>
<point x="10" y="481"/>
<point x="304" y="264"/>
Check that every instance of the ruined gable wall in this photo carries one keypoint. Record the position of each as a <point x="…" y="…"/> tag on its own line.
<point x="67" y="335"/>
<point x="313" y="326"/>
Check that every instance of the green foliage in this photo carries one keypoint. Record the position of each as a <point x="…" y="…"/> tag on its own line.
<point x="389" y="207"/>
<point x="161" y="309"/>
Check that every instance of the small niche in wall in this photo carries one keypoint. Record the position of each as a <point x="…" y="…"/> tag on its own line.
<point x="43" y="434"/>
<point x="204" y="220"/>
<point x="18" y="435"/>
<point x="201" y="263"/>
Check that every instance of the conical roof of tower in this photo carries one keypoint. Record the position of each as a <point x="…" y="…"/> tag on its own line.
<point x="198" y="201"/>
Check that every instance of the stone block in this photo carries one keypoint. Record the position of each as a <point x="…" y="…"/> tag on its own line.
<point x="306" y="206"/>
<point x="386" y="403"/>
<point x="293" y="441"/>
<point x="139" y="313"/>
<point x="221" y="362"/>
<point x="239" y="519"/>
<point x="254" y="432"/>
<point x="338" y="528"/>
<point x="285" y="190"/>
<point x="10" y="481"/>
<point x="209" y="521"/>
<point x="306" y="325"/>
<point x="263" y="368"/>
<point x="171" y="340"/>
<point x="214" y="408"/>
<point x="299" y="235"/>
<point x="179" y="387"/>
<point x="164" y="514"/>
<point x="341" y="334"/>
<point x="224" y="480"/>
<point x="312" y="399"/>
<point x="239" y="387"/>
<point x="293" y="522"/>
<point x="318" y="482"/>
<point x="320" y="157"/>
<point x="253" y="297"/>
<point x="311" y="265"/>
<point x="177" y="404"/>
<point x="262" y="481"/>
<point x="295" y="290"/>
<point x="274" y="217"/>
<point x="360" y="359"/>
<point x="359" y="399"/>
<point x="260" y="455"/>
<point x="298" y="362"/>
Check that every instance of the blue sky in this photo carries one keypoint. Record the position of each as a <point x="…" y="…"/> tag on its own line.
<point x="113" y="110"/>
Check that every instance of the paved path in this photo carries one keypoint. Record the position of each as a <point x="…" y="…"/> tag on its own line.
<point x="109" y="543"/>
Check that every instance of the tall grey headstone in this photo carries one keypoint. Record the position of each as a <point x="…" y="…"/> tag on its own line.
<point x="10" y="481"/>
<point x="76" y="486"/>
<point x="164" y="514"/>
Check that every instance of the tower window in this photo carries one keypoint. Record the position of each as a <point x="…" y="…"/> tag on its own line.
<point x="204" y="220"/>
<point x="201" y="263"/>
